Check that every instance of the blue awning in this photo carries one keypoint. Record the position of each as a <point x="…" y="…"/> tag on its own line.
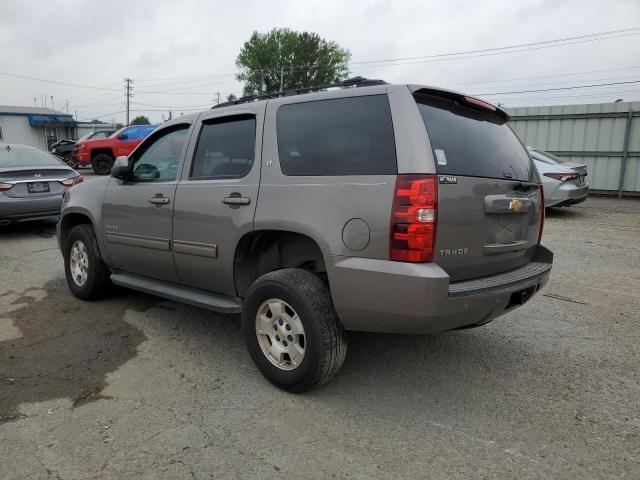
<point x="51" y="121"/>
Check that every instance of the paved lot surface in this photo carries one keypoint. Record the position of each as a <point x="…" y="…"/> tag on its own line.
<point x="137" y="387"/>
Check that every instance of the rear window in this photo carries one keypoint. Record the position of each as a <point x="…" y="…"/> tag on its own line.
<point x="471" y="143"/>
<point x="345" y="136"/>
<point x="26" y="157"/>
<point x="545" y="157"/>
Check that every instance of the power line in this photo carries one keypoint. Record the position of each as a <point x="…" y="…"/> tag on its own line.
<point x="544" y="42"/>
<point x="546" y="76"/>
<point x="24" y="77"/>
<point x="559" y="88"/>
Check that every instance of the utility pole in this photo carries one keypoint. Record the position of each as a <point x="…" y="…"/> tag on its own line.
<point x="52" y="106"/>
<point x="170" y="114"/>
<point x="281" y="79"/>
<point x="128" y="85"/>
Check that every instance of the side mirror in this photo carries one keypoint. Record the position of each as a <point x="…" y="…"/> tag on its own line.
<point x="123" y="136"/>
<point x="121" y="168"/>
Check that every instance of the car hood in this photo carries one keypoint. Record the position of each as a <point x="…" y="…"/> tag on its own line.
<point x="96" y="142"/>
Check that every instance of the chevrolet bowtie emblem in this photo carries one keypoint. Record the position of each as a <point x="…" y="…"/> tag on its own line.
<point x="515" y="205"/>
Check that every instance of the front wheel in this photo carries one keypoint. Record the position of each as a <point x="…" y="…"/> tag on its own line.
<point x="292" y="331"/>
<point x="102" y="164"/>
<point x="87" y="275"/>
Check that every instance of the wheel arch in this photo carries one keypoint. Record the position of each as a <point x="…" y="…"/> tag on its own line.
<point x="100" y="151"/>
<point x="71" y="219"/>
<point x="262" y="251"/>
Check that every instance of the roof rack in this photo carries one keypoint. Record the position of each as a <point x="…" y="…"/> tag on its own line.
<point x="349" y="83"/>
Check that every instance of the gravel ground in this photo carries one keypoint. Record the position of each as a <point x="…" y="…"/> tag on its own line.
<point x="138" y="387"/>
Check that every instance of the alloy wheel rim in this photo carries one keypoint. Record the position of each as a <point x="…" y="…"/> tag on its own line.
<point x="280" y="334"/>
<point x="79" y="263"/>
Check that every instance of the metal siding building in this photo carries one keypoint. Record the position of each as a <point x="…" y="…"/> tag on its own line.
<point x="38" y="127"/>
<point x="605" y="136"/>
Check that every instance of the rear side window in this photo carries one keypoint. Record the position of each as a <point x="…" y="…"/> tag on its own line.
<point x="345" y="136"/>
<point x="471" y="143"/>
<point x="225" y="149"/>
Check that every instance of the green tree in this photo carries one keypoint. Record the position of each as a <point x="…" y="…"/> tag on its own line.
<point x="283" y="60"/>
<point x="140" y="120"/>
<point x="231" y="97"/>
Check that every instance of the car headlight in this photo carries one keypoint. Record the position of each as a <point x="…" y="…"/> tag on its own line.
<point x="53" y="150"/>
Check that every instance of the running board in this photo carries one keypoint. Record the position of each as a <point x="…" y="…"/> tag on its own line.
<point x="179" y="293"/>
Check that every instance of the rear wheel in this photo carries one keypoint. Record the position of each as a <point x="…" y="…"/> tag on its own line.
<point x="102" y="164"/>
<point x="292" y="331"/>
<point x="87" y="275"/>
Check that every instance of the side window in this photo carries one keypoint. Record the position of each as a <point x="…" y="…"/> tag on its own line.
<point x="344" y="136"/>
<point x="225" y="149"/>
<point x="160" y="158"/>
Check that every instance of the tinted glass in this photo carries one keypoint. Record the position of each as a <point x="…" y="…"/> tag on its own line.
<point x="469" y="142"/>
<point x="225" y="149"/>
<point x="26" y="157"/>
<point x="138" y="133"/>
<point x="160" y="159"/>
<point x="346" y="136"/>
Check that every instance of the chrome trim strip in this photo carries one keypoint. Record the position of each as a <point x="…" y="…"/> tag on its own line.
<point x="139" y="241"/>
<point x="194" y="248"/>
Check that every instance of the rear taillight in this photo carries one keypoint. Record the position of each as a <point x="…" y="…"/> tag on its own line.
<point x="413" y="219"/>
<point x="70" y="182"/>
<point x="563" y="177"/>
<point x="479" y="103"/>
<point x="5" y="186"/>
<point x="541" y="214"/>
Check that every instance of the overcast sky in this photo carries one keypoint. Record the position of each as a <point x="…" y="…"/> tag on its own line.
<point x="189" y="48"/>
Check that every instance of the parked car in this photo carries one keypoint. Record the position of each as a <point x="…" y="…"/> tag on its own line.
<point x="101" y="153"/>
<point x="565" y="183"/>
<point x="32" y="183"/>
<point x="65" y="149"/>
<point x="352" y="208"/>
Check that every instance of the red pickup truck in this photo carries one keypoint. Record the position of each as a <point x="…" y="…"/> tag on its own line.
<point x="101" y="153"/>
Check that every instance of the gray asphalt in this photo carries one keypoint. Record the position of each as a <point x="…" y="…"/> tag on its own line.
<point x="138" y="387"/>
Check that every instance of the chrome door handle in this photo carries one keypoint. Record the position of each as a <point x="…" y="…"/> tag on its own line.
<point x="232" y="200"/>
<point x="159" y="200"/>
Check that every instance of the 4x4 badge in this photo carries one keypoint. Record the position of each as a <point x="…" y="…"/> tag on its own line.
<point x="447" y="179"/>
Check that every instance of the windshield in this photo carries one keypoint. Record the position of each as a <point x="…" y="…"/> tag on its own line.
<point x="117" y="132"/>
<point x="86" y="136"/>
<point x="26" y="157"/>
<point x="469" y="142"/>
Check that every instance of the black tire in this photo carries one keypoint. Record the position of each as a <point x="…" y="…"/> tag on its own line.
<point x="102" y="164"/>
<point x="325" y="346"/>
<point x="97" y="283"/>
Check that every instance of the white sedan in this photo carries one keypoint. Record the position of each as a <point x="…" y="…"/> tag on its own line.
<point x="565" y="183"/>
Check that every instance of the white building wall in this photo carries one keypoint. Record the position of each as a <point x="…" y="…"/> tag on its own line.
<point x="16" y="129"/>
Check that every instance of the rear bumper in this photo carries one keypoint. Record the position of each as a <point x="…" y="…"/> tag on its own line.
<point x="22" y="209"/>
<point x="567" y="194"/>
<point x="383" y="296"/>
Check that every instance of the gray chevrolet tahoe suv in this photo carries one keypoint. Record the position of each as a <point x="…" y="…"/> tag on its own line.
<point x="377" y="207"/>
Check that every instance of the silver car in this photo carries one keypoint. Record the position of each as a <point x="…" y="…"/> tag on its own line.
<point x="32" y="183"/>
<point x="564" y="183"/>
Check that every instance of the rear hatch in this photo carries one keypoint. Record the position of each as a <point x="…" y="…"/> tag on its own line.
<point x="489" y="199"/>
